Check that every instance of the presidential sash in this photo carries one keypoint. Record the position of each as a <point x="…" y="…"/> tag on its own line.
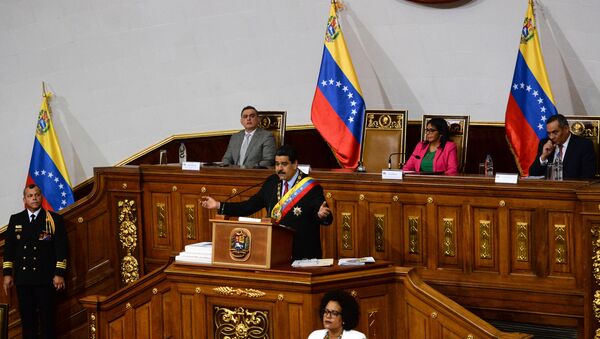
<point x="297" y="192"/>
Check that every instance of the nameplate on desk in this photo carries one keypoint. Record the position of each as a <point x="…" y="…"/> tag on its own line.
<point x="392" y="174"/>
<point x="304" y="168"/>
<point x="506" y="178"/>
<point x="190" y="166"/>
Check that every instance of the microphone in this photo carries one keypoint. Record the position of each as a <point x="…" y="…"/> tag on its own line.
<point x="390" y="159"/>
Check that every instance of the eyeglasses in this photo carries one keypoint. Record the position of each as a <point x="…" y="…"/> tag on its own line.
<point x="332" y="313"/>
<point x="430" y="130"/>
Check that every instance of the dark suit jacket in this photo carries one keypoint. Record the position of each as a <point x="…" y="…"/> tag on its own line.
<point x="260" y="152"/>
<point x="30" y="260"/>
<point x="578" y="163"/>
<point x="307" y="238"/>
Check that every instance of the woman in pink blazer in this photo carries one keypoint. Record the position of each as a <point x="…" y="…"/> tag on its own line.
<point x="436" y="153"/>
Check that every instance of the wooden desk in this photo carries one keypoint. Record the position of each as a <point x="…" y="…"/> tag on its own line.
<point x="521" y="252"/>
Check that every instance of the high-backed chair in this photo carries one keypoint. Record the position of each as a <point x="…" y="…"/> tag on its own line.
<point x="273" y="121"/>
<point x="384" y="133"/>
<point x="459" y="134"/>
<point x="587" y="127"/>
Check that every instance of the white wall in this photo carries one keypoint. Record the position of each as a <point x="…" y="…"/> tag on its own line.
<point x="127" y="74"/>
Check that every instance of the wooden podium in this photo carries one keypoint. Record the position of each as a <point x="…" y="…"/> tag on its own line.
<point x="250" y="244"/>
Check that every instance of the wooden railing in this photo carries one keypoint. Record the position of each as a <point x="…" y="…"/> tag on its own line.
<point x="520" y="251"/>
<point x="189" y="302"/>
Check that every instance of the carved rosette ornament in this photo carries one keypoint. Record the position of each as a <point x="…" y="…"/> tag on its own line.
<point x="128" y="237"/>
<point x="596" y="272"/>
<point x="240" y="323"/>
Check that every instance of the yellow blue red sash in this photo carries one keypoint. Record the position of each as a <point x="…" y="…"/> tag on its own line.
<point x="297" y="192"/>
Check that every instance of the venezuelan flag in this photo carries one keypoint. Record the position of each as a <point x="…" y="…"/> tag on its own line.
<point x="338" y="107"/>
<point x="530" y="102"/>
<point x="47" y="167"/>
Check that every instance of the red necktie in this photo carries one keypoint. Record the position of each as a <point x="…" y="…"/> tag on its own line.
<point x="285" y="187"/>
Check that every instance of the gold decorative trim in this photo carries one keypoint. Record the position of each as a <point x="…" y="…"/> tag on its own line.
<point x="382" y="120"/>
<point x="361" y="197"/>
<point x="372" y="322"/>
<point x="502" y="203"/>
<point x="395" y="198"/>
<point x="433" y="315"/>
<point x="346" y="231"/>
<point x="203" y="189"/>
<point x="280" y="297"/>
<point x="522" y="241"/>
<point x="596" y="273"/>
<point x="328" y="195"/>
<point x="80" y="220"/>
<point x="429" y="200"/>
<point x="174" y="188"/>
<point x="245" y="292"/>
<point x="449" y="237"/>
<point x="198" y="290"/>
<point x="92" y="325"/>
<point x="124" y="185"/>
<point x="560" y="244"/>
<point x="485" y="236"/>
<point x="128" y="238"/>
<point x="161" y="219"/>
<point x="190" y="216"/>
<point x="240" y="323"/>
<point x="128" y="306"/>
<point x="234" y="191"/>
<point x="413" y="235"/>
<point x="354" y="293"/>
<point x="379" y="232"/>
<point x="155" y="290"/>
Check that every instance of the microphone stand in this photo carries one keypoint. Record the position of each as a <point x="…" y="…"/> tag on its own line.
<point x="390" y="160"/>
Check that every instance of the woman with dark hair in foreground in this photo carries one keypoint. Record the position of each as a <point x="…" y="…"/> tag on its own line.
<point x="339" y="312"/>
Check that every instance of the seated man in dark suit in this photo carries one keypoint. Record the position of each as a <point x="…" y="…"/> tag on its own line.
<point x="252" y="147"/>
<point x="292" y="199"/>
<point x="579" y="159"/>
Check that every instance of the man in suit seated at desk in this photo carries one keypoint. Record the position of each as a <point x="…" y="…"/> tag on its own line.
<point x="292" y="199"/>
<point x="251" y="147"/>
<point x="577" y="153"/>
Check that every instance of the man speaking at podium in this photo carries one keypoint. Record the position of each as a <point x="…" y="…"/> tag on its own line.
<point x="292" y="199"/>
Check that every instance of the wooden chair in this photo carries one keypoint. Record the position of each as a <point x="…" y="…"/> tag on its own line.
<point x="273" y="121"/>
<point x="459" y="134"/>
<point x="384" y="133"/>
<point x="587" y="127"/>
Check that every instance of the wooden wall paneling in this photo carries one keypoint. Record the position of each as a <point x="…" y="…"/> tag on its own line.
<point x="329" y="239"/>
<point x="560" y="244"/>
<point x="225" y="313"/>
<point x="189" y="320"/>
<point x="380" y="233"/>
<point x="375" y="310"/>
<point x="346" y="207"/>
<point x="485" y="239"/>
<point x="117" y="329"/>
<point x="143" y="320"/>
<point x="450" y="237"/>
<point x="414" y="227"/>
<point x="521" y="254"/>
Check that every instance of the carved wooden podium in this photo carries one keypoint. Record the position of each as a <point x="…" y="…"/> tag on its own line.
<point x="250" y="244"/>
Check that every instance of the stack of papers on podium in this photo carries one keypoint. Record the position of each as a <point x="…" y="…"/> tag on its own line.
<point x="312" y="262"/>
<point x="200" y="253"/>
<point x="355" y="261"/>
